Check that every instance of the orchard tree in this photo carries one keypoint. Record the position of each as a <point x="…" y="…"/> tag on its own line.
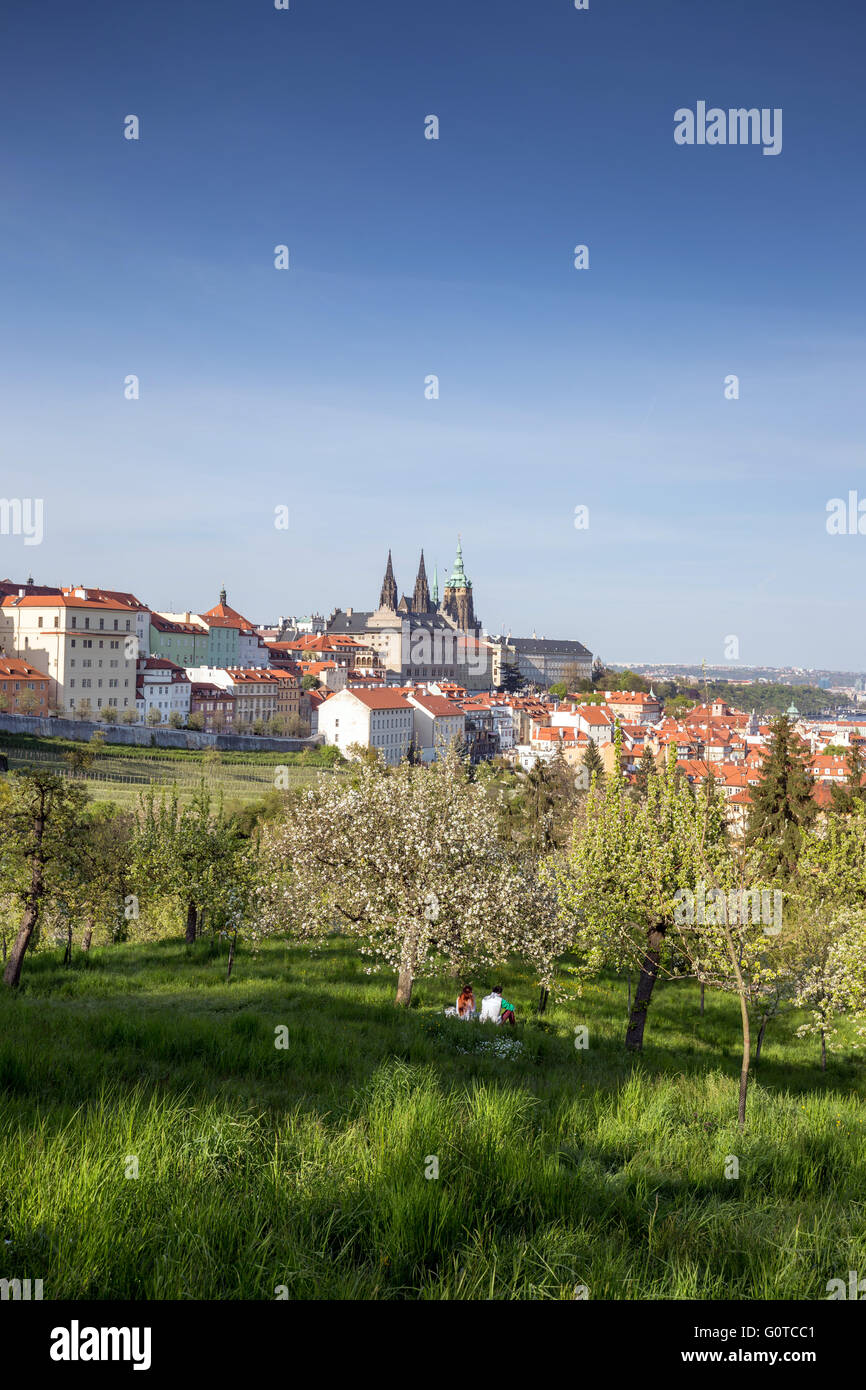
<point x="831" y="980"/>
<point x="732" y="934"/>
<point x="103" y="888"/>
<point x="40" y="817"/>
<point x="411" y="861"/>
<point x="832" y="906"/>
<point x="619" y="880"/>
<point x="188" y="852"/>
<point x="831" y="869"/>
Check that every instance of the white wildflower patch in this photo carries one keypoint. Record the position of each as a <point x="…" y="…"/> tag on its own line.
<point x="500" y="1046"/>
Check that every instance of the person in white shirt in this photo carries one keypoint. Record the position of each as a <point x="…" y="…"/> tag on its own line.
<point x="495" y="1009"/>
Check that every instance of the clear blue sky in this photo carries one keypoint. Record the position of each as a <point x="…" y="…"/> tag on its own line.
<point x="409" y="257"/>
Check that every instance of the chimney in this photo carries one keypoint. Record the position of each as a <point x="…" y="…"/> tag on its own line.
<point x="348" y="612"/>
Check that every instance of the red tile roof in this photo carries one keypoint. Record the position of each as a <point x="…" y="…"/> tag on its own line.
<point x="117" y="595"/>
<point x="436" y="705"/>
<point x="12" y="667"/>
<point x="380" y="698"/>
<point x="64" y="601"/>
<point x="223" y="615"/>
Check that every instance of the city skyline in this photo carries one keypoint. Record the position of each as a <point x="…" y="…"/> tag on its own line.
<point x="559" y="388"/>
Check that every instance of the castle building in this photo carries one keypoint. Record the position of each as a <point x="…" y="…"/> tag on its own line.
<point x="419" y="639"/>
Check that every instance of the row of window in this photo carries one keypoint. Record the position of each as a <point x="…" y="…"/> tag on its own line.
<point x="111" y="701"/>
<point x="73" y="622"/>
<point x="87" y="682"/>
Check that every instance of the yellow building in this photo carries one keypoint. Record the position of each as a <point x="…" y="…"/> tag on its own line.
<point x="87" y="646"/>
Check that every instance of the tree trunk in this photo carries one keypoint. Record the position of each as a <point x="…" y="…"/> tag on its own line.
<point x="12" y="973"/>
<point x="649" y="969"/>
<point x="67" y="954"/>
<point x="747" y="1036"/>
<point x="823" y="1051"/>
<point x="760" y="1040"/>
<point x="744" y="1067"/>
<point x="629" y="991"/>
<point x="190" y="923"/>
<point x="88" y="935"/>
<point x="404" y="988"/>
<point x="542" y="1002"/>
<point x="702" y="1001"/>
<point x="231" y="957"/>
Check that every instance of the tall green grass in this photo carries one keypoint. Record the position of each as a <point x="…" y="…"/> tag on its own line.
<point x="304" y="1169"/>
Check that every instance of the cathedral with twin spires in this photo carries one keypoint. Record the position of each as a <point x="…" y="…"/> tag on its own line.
<point x="422" y="637"/>
<point x="456" y="606"/>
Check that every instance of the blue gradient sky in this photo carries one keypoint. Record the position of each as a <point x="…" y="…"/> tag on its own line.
<point x="409" y="257"/>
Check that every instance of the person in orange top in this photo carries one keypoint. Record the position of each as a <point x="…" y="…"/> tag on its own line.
<point x="466" y="1003"/>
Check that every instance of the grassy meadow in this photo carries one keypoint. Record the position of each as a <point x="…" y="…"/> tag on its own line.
<point x="299" y="1171"/>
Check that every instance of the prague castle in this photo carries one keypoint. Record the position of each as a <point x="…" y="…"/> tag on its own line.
<point x="421" y="638"/>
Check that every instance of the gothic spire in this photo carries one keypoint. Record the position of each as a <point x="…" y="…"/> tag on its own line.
<point x="388" y="597"/>
<point x="421" y="596"/>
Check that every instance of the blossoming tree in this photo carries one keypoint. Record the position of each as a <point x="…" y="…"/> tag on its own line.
<point x="410" y="860"/>
<point x="619" y="880"/>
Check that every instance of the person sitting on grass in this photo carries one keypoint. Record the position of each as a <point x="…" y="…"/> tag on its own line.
<point x="495" y="1009"/>
<point x="466" y="1003"/>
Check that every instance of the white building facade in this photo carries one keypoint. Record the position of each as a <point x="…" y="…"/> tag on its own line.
<point x="162" y="687"/>
<point x="377" y="718"/>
